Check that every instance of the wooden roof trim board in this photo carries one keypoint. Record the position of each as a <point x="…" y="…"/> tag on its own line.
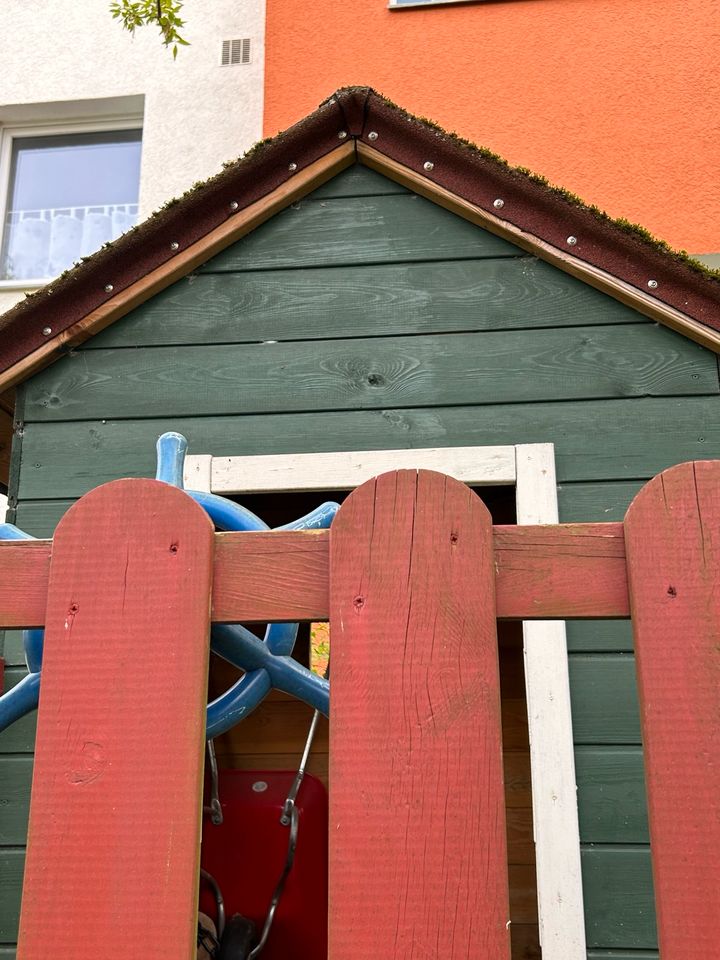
<point x="631" y="296"/>
<point x="357" y="123"/>
<point x="183" y="263"/>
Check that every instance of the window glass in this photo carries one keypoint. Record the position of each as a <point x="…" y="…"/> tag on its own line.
<point x="67" y="195"/>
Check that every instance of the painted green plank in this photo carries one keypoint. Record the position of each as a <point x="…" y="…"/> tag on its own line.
<point x="611" y="794"/>
<point x="386" y="300"/>
<point x="359" y="230"/>
<point x="13" y="651"/>
<point x="15" y="783"/>
<point x="8" y="953"/>
<point x="483" y="368"/>
<point x="599" y="636"/>
<point x="595" y="439"/>
<point x="603" y="696"/>
<point x="12" y="864"/>
<point x="357" y="181"/>
<point x="20" y="736"/>
<point x="596" y="502"/>
<point x="40" y="517"/>
<point x="623" y="955"/>
<point x="618" y="893"/>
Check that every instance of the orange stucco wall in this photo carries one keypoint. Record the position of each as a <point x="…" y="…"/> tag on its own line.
<point x="616" y="100"/>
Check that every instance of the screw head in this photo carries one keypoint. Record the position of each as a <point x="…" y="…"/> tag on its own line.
<point x="342" y="135"/>
<point x="372" y="135"/>
<point x="428" y="165"/>
<point x="571" y="241"/>
<point x="109" y="288"/>
<point x="499" y="204"/>
<point x="652" y="284"/>
<point x="174" y="245"/>
<point x="292" y="167"/>
<point x="47" y="331"/>
<point x="260" y="786"/>
<point x="234" y="205"/>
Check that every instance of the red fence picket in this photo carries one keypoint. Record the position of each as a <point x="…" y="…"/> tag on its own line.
<point x="113" y="847"/>
<point x="672" y="530"/>
<point x="418" y="863"/>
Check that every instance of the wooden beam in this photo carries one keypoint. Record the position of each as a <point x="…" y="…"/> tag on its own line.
<point x="418" y="860"/>
<point x="6" y="436"/>
<point x="572" y="571"/>
<point x="673" y="562"/>
<point x="625" y="292"/>
<point x="115" y="809"/>
<point x="185" y="261"/>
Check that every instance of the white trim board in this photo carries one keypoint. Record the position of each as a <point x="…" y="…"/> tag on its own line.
<point x="531" y="468"/>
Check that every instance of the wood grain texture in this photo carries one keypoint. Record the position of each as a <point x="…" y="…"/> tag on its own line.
<point x="6" y="437"/>
<point x="357" y="181"/>
<point x="594" y="440"/>
<point x="118" y="765"/>
<point x="417" y="744"/>
<point x="496" y="367"/>
<point x="604" y="700"/>
<point x="184" y="261"/>
<point x="557" y="838"/>
<point x="673" y="532"/>
<point x="625" y="292"/>
<point x="15" y="777"/>
<point x="345" y="471"/>
<point x="12" y="863"/>
<point x="566" y="570"/>
<point x="611" y="794"/>
<point x="358" y="230"/>
<point x="24" y="571"/>
<point x="618" y="883"/>
<point x="363" y="301"/>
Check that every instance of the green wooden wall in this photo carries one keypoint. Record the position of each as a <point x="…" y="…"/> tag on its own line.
<point x="366" y="317"/>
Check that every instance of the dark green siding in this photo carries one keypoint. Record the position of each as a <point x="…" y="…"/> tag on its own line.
<point x="365" y="317"/>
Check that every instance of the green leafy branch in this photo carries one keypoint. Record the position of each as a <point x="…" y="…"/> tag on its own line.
<point x="165" y="14"/>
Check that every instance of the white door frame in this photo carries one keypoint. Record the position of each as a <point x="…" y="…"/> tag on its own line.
<point x="531" y="469"/>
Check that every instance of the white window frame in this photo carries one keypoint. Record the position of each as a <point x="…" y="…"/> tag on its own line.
<point x="11" y="132"/>
<point x="530" y="468"/>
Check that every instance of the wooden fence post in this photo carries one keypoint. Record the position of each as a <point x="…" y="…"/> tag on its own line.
<point x="113" y="848"/>
<point x="672" y="533"/>
<point x="418" y="864"/>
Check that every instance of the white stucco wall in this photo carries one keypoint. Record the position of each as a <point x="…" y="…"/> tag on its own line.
<point x="58" y="55"/>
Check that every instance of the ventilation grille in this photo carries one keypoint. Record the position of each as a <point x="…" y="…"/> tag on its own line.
<point x="235" y="51"/>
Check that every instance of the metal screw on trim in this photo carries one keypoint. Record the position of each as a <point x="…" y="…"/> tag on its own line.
<point x="47" y="331"/>
<point x="109" y="288"/>
<point x="428" y="166"/>
<point x="571" y="241"/>
<point x="292" y="167"/>
<point x="652" y="284"/>
<point x="174" y="245"/>
<point x="234" y="205"/>
<point x="342" y="134"/>
<point x="498" y="203"/>
<point x="372" y="135"/>
<point x="260" y="786"/>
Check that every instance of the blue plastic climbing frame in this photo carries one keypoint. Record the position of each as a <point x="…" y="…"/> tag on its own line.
<point x="267" y="663"/>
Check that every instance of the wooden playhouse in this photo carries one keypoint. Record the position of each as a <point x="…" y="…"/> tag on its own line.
<point x="365" y="294"/>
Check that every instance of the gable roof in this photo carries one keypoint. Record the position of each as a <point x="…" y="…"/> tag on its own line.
<point x="359" y="125"/>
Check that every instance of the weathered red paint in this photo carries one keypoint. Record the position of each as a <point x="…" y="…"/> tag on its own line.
<point x="673" y="541"/>
<point x="113" y="847"/>
<point x="418" y="863"/>
<point x="574" y="570"/>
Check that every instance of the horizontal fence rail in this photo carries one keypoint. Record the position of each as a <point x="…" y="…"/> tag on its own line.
<point x="569" y="571"/>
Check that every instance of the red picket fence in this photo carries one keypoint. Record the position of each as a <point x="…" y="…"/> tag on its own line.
<point x="412" y="564"/>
